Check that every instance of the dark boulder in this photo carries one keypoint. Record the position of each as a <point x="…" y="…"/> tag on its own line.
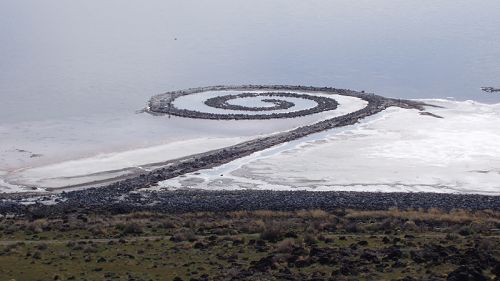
<point x="466" y="273"/>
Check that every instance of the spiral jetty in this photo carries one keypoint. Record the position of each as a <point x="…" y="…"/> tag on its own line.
<point x="124" y="194"/>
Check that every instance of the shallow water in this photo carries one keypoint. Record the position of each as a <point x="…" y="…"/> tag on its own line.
<point x="73" y="58"/>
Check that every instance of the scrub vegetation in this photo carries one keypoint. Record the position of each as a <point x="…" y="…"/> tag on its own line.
<point x="341" y="244"/>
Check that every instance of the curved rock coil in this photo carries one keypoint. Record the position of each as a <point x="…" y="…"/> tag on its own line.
<point x="275" y="102"/>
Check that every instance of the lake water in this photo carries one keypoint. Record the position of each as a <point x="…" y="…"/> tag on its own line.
<point x="61" y="59"/>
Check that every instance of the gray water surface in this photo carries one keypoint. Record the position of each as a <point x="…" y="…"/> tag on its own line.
<point x="74" y="58"/>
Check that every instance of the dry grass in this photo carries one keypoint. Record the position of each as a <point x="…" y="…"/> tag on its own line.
<point x="269" y="214"/>
<point x="436" y="215"/>
<point x="313" y="214"/>
<point x="272" y="224"/>
<point x="286" y="245"/>
<point x="38" y="225"/>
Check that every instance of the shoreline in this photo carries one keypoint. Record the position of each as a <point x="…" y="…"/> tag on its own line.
<point x="96" y="200"/>
<point x="125" y="194"/>
<point x="195" y="162"/>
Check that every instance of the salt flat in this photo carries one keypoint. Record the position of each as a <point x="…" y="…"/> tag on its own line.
<point x="397" y="150"/>
<point x="393" y="151"/>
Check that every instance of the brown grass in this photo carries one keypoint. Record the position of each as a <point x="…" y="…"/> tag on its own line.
<point x="454" y="216"/>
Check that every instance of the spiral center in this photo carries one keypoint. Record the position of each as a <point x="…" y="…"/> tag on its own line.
<point x="227" y="102"/>
<point x="242" y="103"/>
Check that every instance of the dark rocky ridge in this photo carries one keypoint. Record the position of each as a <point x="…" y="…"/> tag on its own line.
<point x="183" y="201"/>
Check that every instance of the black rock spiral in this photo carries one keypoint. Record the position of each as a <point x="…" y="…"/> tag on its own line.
<point x="115" y="189"/>
<point x="165" y="103"/>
